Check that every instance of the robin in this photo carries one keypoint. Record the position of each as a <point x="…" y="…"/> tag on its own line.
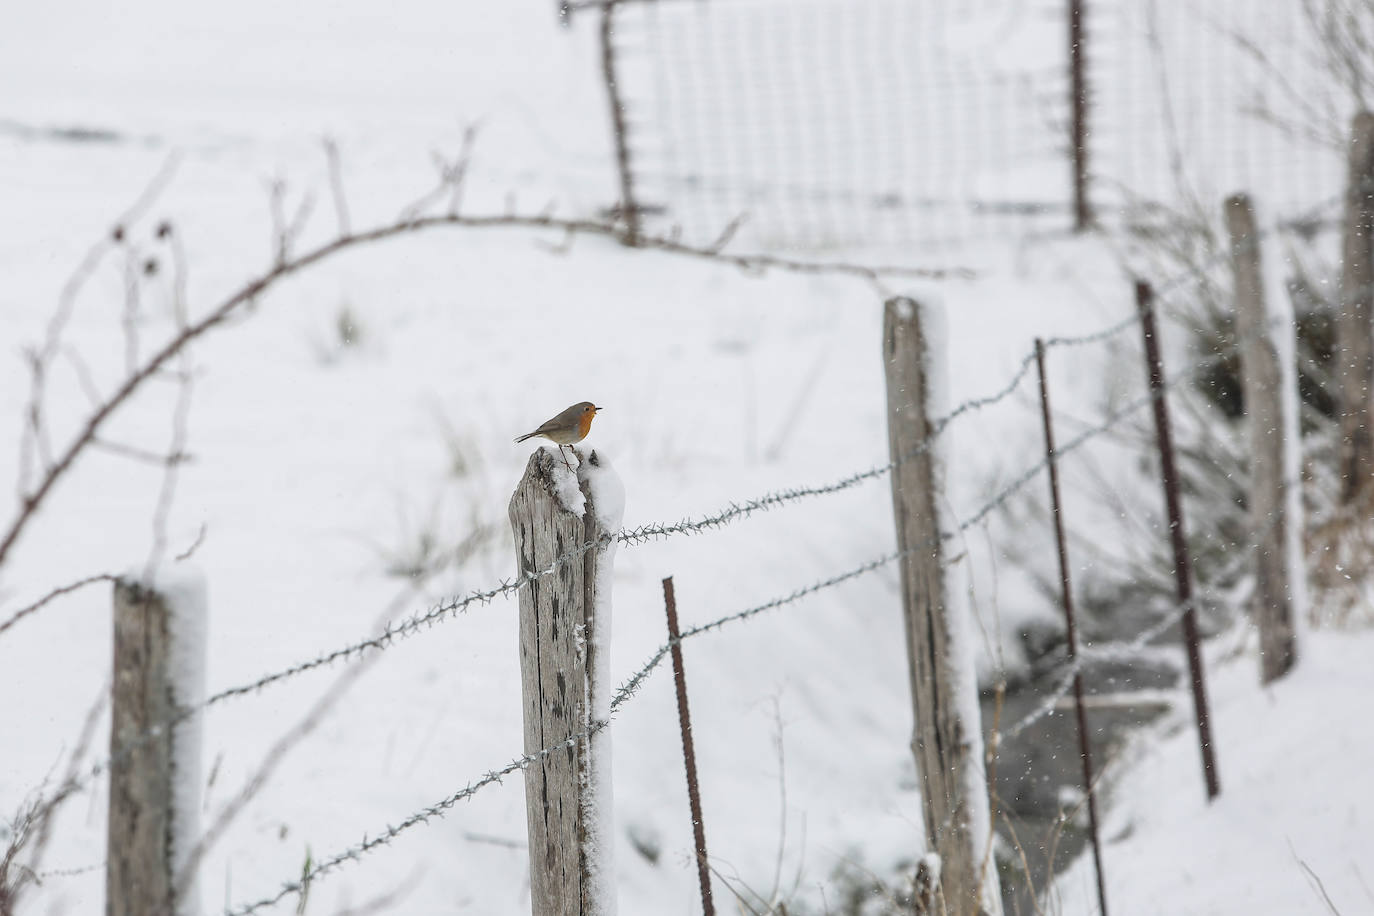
<point x="572" y="425"/>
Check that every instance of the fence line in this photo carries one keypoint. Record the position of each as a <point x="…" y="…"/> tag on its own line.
<point x="634" y="683"/>
<point x="392" y="633"/>
<point x="734" y="512"/>
<point x="1127" y="648"/>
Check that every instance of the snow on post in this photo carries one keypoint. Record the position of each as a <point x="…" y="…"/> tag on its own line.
<point x="159" y="673"/>
<point x="1264" y="327"/>
<point x="947" y="740"/>
<point x="565" y="636"/>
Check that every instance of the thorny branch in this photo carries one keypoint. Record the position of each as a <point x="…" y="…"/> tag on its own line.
<point x="287" y="265"/>
<point x="52" y="595"/>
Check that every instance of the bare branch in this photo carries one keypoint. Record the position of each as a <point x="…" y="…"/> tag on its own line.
<point x="336" y="186"/>
<point x="220" y="313"/>
<point x="727" y="233"/>
<point x="195" y="545"/>
<point x="142" y="454"/>
<point x="83" y="374"/>
<point x="52" y="596"/>
<point x="273" y="758"/>
<point x="167" y="493"/>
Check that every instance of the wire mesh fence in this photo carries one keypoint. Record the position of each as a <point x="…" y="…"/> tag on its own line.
<point x="916" y="122"/>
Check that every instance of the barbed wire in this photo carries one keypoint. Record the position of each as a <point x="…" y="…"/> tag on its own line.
<point x="656" y="531"/>
<point x="734" y="511"/>
<point x="635" y="682"/>
<point x="394" y="632"/>
<point x="1130" y="648"/>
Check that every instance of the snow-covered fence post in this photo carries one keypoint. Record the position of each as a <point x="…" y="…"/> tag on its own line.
<point x="1355" y="319"/>
<point x="947" y="740"/>
<point x="154" y="814"/>
<point x="1270" y="390"/>
<point x="565" y="638"/>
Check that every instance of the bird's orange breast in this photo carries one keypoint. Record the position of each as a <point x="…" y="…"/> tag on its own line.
<point x="584" y="424"/>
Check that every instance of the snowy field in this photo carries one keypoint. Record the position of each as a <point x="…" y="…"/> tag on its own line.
<point x="356" y="420"/>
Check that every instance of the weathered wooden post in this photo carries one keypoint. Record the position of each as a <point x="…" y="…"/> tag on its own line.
<point x="154" y="813"/>
<point x="1270" y="392"/>
<point x="560" y="521"/>
<point x="947" y="739"/>
<point x="1355" y="322"/>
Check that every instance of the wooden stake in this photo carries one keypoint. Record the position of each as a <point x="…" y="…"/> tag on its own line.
<point x="1262" y="380"/>
<point x="570" y="865"/>
<point x="154" y="781"/>
<point x="947" y="741"/>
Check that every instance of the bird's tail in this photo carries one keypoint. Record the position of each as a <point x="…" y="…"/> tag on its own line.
<point x="526" y="436"/>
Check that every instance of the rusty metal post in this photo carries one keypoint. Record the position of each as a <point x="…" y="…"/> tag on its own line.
<point x="1084" y="748"/>
<point x="1078" y="124"/>
<point x="1183" y="573"/>
<point x="689" y="757"/>
<point x="629" y="207"/>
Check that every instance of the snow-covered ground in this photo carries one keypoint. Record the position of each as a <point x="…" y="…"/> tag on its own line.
<point x="1291" y="831"/>
<point x="323" y="459"/>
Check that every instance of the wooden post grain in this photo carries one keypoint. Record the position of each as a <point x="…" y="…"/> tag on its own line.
<point x="154" y="781"/>
<point x="1355" y="323"/>
<point x="567" y="793"/>
<point x="947" y="740"/>
<point x="1266" y="403"/>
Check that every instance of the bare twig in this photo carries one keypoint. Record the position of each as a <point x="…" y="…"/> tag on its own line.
<point x="282" y="269"/>
<point x="177" y="447"/>
<point x="271" y="760"/>
<point x="336" y="186"/>
<point x="51" y="596"/>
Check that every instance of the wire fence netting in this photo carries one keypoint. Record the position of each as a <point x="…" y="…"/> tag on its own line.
<point x="828" y="123"/>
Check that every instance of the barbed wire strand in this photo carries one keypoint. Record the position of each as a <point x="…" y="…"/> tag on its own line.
<point x="654" y="531"/>
<point x="632" y="685"/>
<point x="1128" y="648"/>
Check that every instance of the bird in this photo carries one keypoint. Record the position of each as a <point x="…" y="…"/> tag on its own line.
<point x="570" y="426"/>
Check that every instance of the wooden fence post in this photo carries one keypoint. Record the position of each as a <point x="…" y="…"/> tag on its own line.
<point x="1268" y="411"/>
<point x="564" y="637"/>
<point x="947" y="739"/>
<point x="154" y="813"/>
<point x="1355" y="323"/>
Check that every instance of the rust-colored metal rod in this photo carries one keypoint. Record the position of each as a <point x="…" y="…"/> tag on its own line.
<point x="1183" y="573"/>
<point x="1084" y="748"/>
<point x="689" y="757"/>
<point x="1078" y="129"/>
